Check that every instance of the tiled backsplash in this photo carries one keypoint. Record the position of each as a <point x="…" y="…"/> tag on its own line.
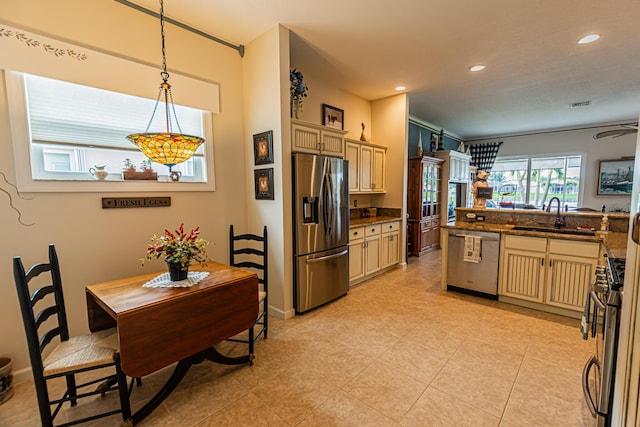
<point x="356" y="213"/>
<point x="617" y="222"/>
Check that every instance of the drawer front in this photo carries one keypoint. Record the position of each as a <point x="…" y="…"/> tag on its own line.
<point x="356" y="233"/>
<point x="388" y="227"/>
<point x="538" y="244"/>
<point x="574" y="248"/>
<point x="372" y="230"/>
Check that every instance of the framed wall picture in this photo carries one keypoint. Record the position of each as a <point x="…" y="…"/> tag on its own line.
<point x="263" y="183"/>
<point x="263" y="148"/>
<point x="615" y="177"/>
<point x="332" y="116"/>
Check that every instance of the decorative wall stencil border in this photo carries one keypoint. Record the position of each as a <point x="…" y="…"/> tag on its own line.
<point x="21" y="37"/>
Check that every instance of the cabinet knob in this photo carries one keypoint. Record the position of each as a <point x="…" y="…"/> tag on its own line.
<point x="373" y="229"/>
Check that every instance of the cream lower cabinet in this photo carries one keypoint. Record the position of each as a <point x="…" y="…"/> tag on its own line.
<point x="356" y="254"/>
<point x="554" y="272"/>
<point x="372" y="249"/>
<point x="389" y="244"/>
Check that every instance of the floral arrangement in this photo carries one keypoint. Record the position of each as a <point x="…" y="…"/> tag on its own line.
<point x="298" y="87"/>
<point x="178" y="247"/>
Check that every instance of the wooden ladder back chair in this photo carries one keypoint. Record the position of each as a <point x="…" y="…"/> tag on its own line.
<point x="244" y="254"/>
<point x="72" y="355"/>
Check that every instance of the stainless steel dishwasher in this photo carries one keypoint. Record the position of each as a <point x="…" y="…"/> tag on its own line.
<point x="480" y="277"/>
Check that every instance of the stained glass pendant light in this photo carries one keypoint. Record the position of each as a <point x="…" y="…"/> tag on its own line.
<point x="166" y="148"/>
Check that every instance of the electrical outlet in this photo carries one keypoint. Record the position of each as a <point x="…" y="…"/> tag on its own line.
<point x="355" y="203"/>
<point x="480" y="218"/>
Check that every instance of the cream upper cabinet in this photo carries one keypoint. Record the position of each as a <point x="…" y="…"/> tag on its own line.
<point x="555" y="272"/>
<point x="367" y="164"/>
<point x="316" y="139"/>
<point x="352" y="154"/>
<point x="455" y="166"/>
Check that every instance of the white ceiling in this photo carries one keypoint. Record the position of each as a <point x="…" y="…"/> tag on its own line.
<point x="535" y="68"/>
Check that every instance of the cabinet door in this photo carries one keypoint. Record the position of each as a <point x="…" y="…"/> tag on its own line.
<point x="385" y="240"/>
<point x="352" y="154"/>
<point x="332" y="143"/>
<point x="394" y="248"/>
<point x="378" y="169"/>
<point x="305" y="139"/>
<point x="568" y="279"/>
<point x="356" y="259"/>
<point x="366" y="174"/>
<point x="522" y="274"/>
<point x="426" y="237"/>
<point x="372" y="254"/>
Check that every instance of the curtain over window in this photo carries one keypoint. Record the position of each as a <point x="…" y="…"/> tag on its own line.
<point x="483" y="156"/>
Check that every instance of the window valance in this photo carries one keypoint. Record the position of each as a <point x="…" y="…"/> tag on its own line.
<point x="36" y="54"/>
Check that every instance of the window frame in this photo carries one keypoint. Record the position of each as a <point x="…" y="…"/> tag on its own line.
<point x="21" y="142"/>
<point x="529" y="157"/>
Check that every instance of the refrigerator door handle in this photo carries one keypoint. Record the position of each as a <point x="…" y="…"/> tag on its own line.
<point x="635" y="231"/>
<point x="324" y="258"/>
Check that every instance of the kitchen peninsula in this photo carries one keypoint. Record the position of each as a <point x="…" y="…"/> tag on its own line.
<point x="539" y="266"/>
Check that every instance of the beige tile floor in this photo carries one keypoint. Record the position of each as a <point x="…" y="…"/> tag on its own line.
<point x="396" y="351"/>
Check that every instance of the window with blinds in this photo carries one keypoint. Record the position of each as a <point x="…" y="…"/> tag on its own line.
<point x="75" y="127"/>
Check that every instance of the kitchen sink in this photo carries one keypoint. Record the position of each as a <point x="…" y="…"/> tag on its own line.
<point x="555" y="230"/>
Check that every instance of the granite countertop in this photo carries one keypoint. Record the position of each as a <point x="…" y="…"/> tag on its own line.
<point x="372" y="220"/>
<point x="615" y="243"/>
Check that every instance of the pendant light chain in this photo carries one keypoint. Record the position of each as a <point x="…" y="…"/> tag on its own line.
<point x="164" y="74"/>
<point x="166" y="148"/>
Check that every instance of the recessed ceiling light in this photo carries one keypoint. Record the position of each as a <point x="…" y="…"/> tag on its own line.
<point x="589" y="38"/>
<point x="401" y="87"/>
<point x="478" y="67"/>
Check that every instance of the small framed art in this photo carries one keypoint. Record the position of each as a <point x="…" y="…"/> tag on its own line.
<point x="615" y="177"/>
<point x="332" y="116"/>
<point x="264" y="183"/>
<point x="263" y="148"/>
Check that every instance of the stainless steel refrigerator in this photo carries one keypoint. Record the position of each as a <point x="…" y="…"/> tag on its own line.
<point x="320" y="230"/>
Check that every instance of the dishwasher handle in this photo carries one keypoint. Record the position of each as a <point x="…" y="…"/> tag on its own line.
<point x="484" y="239"/>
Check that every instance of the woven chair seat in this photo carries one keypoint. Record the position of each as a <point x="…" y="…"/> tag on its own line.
<point x="80" y="352"/>
<point x="261" y="295"/>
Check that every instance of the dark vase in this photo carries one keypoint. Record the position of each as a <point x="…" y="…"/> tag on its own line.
<point x="176" y="272"/>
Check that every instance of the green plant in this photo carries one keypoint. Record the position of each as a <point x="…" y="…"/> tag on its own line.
<point x="178" y="247"/>
<point x="128" y="165"/>
<point x="146" y="165"/>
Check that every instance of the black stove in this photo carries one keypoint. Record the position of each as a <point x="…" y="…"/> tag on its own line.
<point x="616" y="272"/>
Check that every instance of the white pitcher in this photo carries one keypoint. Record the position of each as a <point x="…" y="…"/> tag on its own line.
<point x="98" y="172"/>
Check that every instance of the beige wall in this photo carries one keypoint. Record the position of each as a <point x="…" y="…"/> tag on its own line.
<point x="356" y="110"/>
<point x="95" y="245"/>
<point x="267" y="61"/>
<point x="390" y="126"/>
<point x="581" y="142"/>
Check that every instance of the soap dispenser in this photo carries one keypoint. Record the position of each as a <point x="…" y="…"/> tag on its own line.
<point x="604" y="225"/>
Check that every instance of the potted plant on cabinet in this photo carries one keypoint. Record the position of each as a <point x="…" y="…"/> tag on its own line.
<point x="129" y="171"/>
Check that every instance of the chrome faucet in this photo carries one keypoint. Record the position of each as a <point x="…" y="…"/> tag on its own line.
<point x="559" y="221"/>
